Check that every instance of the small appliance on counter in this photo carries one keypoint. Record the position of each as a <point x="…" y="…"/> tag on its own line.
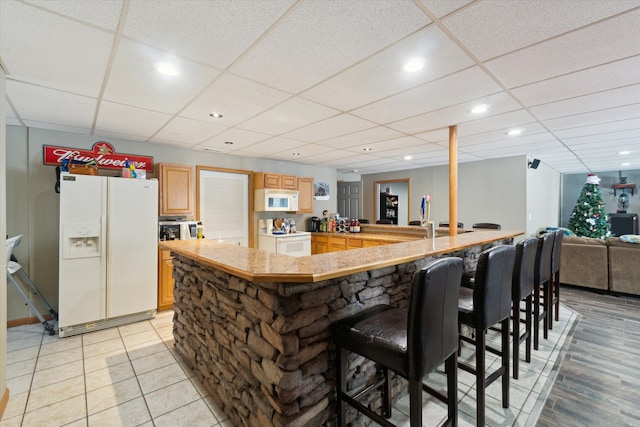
<point x="177" y="230"/>
<point x="314" y="224"/>
<point x="275" y="237"/>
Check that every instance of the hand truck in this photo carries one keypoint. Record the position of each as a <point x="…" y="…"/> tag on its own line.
<point x="13" y="267"/>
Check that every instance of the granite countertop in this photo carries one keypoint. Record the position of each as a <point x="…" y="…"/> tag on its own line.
<point x="261" y="266"/>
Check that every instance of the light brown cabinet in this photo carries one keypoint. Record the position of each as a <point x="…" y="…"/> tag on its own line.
<point x="328" y="242"/>
<point x="305" y="194"/>
<point x="274" y="180"/>
<point x="165" y="280"/>
<point x="319" y="244"/>
<point x="175" y="184"/>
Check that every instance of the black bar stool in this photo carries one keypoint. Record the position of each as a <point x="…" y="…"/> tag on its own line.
<point x="487" y="225"/>
<point x="446" y="224"/>
<point x="410" y="342"/>
<point x="487" y="304"/>
<point x="542" y="274"/>
<point x="554" y="282"/>
<point x="523" y="275"/>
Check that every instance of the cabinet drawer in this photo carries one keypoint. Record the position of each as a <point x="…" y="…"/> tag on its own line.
<point x="354" y="243"/>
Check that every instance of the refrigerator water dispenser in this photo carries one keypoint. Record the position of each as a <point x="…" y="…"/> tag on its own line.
<point x="81" y="240"/>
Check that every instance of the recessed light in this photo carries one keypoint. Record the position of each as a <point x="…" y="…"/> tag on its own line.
<point x="355" y="171"/>
<point x="215" y="115"/>
<point x="166" y="69"/>
<point x="408" y="157"/>
<point x="514" y="132"/>
<point x="479" y="109"/>
<point x="414" y="64"/>
<point x="624" y="153"/>
<point x="295" y="154"/>
<point x="228" y="142"/>
<point x="215" y="150"/>
<point x="625" y="164"/>
<point x="366" y="149"/>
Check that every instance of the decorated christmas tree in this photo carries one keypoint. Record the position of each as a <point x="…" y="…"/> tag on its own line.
<point x="588" y="218"/>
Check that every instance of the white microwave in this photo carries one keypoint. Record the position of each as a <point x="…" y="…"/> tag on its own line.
<point x="268" y="200"/>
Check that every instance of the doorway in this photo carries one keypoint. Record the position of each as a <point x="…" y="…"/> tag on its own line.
<point x="350" y="199"/>
<point x="396" y="187"/>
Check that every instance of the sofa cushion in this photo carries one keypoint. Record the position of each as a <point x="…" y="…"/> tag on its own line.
<point x="584" y="241"/>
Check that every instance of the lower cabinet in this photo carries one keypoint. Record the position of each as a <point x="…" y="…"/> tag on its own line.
<point x="322" y="243"/>
<point x="165" y="280"/>
<point x="319" y="244"/>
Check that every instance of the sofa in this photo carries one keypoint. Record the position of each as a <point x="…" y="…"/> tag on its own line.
<point x="609" y="264"/>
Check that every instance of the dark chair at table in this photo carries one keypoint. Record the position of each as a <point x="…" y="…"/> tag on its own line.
<point x="486" y="225"/>
<point x="410" y="342"/>
<point x="363" y="221"/>
<point x="522" y="289"/>
<point x="414" y="222"/>
<point x="542" y="275"/>
<point x="446" y="224"/>
<point x="384" y="221"/>
<point x="554" y="282"/>
<point x="486" y="305"/>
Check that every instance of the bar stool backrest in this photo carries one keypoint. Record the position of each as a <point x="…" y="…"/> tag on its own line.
<point x="487" y="225"/>
<point x="432" y="327"/>
<point x="542" y="271"/>
<point x="523" y="269"/>
<point x="492" y="287"/>
<point x="557" y="247"/>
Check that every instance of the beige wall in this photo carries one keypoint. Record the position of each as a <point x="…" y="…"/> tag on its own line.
<point x="3" y="256"/>
<point x="35" y="213"/>
<point x="493" y="190"/>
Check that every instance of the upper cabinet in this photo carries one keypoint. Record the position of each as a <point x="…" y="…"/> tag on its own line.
<point x="176" y="195"/>
<point x="305" y="194"/>
<point x="274" y="180"/>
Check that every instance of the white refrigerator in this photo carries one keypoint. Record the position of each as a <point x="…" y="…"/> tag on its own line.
<point x="108" y="252"/>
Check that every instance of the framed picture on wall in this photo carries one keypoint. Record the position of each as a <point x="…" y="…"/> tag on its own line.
<point x="321" y="190"/>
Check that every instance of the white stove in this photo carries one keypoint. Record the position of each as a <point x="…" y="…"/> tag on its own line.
<point x="292" y="244"/>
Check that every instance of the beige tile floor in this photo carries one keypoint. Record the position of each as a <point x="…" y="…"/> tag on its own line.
<point x="123" y="376"/>
<point x="132" y="376"/>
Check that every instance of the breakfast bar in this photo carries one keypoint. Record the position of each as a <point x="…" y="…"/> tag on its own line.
<point x="254" y="325"/>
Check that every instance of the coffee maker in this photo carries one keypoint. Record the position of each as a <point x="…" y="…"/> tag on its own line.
<point x="314" y="224"/>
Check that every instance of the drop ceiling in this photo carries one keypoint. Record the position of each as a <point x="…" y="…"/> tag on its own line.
<point x="322" y="82"/>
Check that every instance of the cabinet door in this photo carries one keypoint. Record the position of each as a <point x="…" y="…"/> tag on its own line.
<point x="165" y="280"/>
<point x="175" y="189"/>
<point x="305" y="195"/>
<point x="370" y="243"/>
<point x="288" y="182"/>
<point x="270" y="180"/>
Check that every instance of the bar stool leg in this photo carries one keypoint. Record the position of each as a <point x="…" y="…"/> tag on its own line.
<point x="480" y="376"/>
<point x="341" y="355"/>
<point x="505" y="363"/>
<point x="415" y="400"/>
<point x="527" y="322"/>
<point x="451" y="369"/>
<point x="386" y="393"/>
<point x="556" y="286"/>
<point x="516" y="339"/>
<point x="549" y="301"/>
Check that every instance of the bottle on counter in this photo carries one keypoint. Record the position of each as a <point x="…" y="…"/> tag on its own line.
<point x="355" y="226"/>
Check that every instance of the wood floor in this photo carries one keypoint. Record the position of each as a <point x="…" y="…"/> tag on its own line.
<point x="598" y="383"/>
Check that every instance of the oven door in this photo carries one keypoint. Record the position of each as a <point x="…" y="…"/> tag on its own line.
<point x="294" y="245"/>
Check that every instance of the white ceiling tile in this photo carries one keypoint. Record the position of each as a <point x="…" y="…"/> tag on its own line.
<point x="214" y="32"/>
<point x="495" y="27"/>
<point x="441" y="8"/>
<point x="301" y="152"/>
<point x="274" y="145"/>
<point x="383" y="75"/>
<point x="320" y="38"/>
<point x="607" y="41"/>
<point x="135" y="81"/>
<point x="129" y="121"/>
<point x="117" y="135"/>
<point x="594" y="117"/>
<point x="47" y="49"/>
<point x="597" y="101"/>
<point x="237" y="99"/>
<point x="330" y="128"/>
<point x="531" y="133"/>
<point x="335" y="158"/>
<point x="12" y="121"/>
<point x="608" y="76"/>
<point x="614" y="145"/>
<point x="187" y="131"/>
<point x="103" y="13"/>
<point x="58" y="127"/>
<point x="382" y="146"/>
<point x="378" y="133"/>
<point x="601" y="128"/>
<point x="457" y="114"/>
<point x="35" y="103"/>
<point x="506" y="121"/>
<point x="457" y="88"/>
<point x="240" y="139"/>
<point x="613" y="136"/>
<point x="291" y="114"/>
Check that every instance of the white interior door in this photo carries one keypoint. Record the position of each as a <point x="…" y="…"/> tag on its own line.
<point x="224" y="206"/>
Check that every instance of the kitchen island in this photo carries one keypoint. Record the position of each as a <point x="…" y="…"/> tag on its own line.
<point x="255" y="326"/>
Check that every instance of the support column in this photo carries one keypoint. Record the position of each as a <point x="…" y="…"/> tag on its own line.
<point x="453" y="180"/>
